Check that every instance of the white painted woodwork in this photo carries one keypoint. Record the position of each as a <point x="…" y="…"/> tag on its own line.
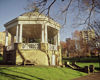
<point x="20" y="34"/>
<point x="42" y="34"/>
<point x="58" y="38"/>
<point x="6" y="39"/>
<point x="55" y="40"/>
<point x="17" y="31"/>
<point x="46" y="34"/>
<point x="39" y="22"/>
<point x="11" y="25"/>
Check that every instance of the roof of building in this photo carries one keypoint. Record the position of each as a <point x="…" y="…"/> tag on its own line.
<point x="32" y="16"/>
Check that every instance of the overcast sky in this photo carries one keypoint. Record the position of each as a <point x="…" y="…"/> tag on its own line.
<point x="10" y="9"/>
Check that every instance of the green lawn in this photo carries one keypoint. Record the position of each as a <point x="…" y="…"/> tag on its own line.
<point x="1" y="59"/>
<point x="38" y="73"/>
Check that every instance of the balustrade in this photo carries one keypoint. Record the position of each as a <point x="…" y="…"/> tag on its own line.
<point x="30" y="46"/>
<point x="52" y="47"/>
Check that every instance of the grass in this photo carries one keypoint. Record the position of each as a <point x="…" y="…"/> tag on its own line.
<point x="1" y="59"/>
<point x="41" y="73"/>
<point x="87" y="64"/>
<point x="85" y="61"/>
<point x="96" y="65"/>
<point x="38" y="73"/>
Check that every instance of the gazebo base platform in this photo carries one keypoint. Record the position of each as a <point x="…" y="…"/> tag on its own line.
<point x="20" y="56"/>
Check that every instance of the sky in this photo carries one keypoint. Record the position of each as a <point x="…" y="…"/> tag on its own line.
<point x="10" y="9"/>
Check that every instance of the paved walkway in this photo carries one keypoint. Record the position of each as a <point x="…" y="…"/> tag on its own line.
<point x="94" y="76"/>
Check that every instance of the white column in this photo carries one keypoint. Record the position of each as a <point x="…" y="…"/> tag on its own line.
<point x="42" y="34"/>
<point x="6" y="39"/>
<point x="12" y="39"/>
<point x="58" y="38"/>
<point x="46" y="34"/>
<point x="20" y="32"/>
<point x="17" y="30"/>
<point x="55" y="40"/>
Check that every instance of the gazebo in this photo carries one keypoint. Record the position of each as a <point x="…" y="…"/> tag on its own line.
<point x="35" y="40"/>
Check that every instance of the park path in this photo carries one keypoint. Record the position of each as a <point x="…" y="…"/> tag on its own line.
<point x="93" y="76"/>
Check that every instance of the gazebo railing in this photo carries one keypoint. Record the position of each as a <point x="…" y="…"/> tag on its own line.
<point x="30" y="46"/>
<point x="52" y="47"/>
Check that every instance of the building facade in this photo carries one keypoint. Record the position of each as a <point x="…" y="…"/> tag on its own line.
<point x="37" y="40"/>
<point x="87" y="35"/>
<point x="2" y="41"/>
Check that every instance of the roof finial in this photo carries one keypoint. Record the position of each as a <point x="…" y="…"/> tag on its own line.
<point x="36" y="9"/>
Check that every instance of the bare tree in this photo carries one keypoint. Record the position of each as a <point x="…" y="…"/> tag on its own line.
<point x="87" y="11"/>
<point x="91" y="6"/>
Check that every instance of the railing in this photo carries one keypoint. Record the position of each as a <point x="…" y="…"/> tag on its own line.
<point x="52" y="47"/>
<point x="30" y="46"/>
<point x="10" y="47"/>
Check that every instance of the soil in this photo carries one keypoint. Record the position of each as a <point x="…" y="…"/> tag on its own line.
<point x="93" y="76"/>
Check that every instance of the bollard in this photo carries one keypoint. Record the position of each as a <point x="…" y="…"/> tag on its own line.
<point x="91" y="67"/>
<point x="74" y="63"/>
<point x="86" y="69"/>
<point x="66" y="64"/>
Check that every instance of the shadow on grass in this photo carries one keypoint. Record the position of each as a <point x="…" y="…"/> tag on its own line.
<point x="80" y="73"/>
<point x="97" y="68"/>
<point x="1" y="59"/>
<point x="16" y="77"/>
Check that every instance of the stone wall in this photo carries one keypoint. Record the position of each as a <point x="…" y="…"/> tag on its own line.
<point x="2" y="41"/>
<point x="31" y="56"/>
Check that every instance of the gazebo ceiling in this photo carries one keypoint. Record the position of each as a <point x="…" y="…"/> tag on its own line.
<point x="52" y="32"/>
<point x="12" y="30"/>
<point x="34" y="31"/>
